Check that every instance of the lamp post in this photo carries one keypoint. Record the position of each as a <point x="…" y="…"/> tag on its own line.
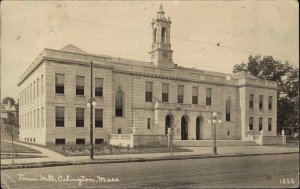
<point x="214" y="120"/>
<point x="90" y="104"/>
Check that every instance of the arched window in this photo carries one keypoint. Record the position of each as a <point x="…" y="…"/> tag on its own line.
<point x="154" y="36"/>
<point x="163" y="36"/>
<point x="168" y="122"/>
<point x="198" y="124"/>
<point x="184" y="128"/>
<point x="228" y="110"/>
<point x="119" y="102"/>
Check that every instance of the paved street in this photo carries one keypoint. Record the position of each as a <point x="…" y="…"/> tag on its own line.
<point x="279" y="170"/>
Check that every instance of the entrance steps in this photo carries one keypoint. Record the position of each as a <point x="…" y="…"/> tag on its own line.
<point x="191" y="143"/>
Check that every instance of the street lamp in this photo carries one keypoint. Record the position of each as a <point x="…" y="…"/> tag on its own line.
<point x="90" y="104"/>
<point x="214" y="120"/>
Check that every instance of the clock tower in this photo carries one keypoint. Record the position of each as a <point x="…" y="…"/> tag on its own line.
<point x="161" y="53"/>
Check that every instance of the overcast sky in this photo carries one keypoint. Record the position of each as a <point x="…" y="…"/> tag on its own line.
<point x="123" y="29"/>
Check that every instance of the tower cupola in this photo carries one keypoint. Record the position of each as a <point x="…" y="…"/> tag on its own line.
<point x="161" y="53"/>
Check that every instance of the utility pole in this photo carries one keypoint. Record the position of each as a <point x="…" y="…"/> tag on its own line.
<point x="90" y="104"/>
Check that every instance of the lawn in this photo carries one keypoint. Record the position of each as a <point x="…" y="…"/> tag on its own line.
<point x="83" y="150"/>
<point x="6" y="148"/>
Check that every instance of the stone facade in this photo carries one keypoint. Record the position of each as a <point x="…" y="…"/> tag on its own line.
<point x="142" y="106"/>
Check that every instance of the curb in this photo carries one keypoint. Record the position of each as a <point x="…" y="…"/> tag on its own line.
<point x="51" y="164"/>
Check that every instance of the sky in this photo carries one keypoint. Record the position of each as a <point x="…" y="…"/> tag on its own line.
<point x="122" y="29"/>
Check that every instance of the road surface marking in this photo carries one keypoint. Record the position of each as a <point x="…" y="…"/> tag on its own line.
<point x="9" y="177"/>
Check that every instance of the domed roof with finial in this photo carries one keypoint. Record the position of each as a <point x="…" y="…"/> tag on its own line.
<point x="161" y="11"/>
<point x="161" y="14"/>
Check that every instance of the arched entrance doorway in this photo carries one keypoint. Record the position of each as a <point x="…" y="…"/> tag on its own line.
<point x="198" y="120"/>
<point x="168" y="122"/>
<point x="184" y="128"/>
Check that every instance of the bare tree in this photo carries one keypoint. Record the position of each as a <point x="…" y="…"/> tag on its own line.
<point x="172" y="131"/>
<point x="12" y="128"/>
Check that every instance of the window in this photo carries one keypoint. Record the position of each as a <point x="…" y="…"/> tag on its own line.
<point x="98" y="118"/>
<point x="80" y="85"/>
<point x="163" y="35"/>
<point x="79" y="117"/>
<point x="34" y="118"/>
<point x="99" y="87"/>
<point x="270" y="124"/>
<point x="37" y="87"/>
<point x="60" y="141"/>
<point x="38" y="118"/>
<point x="251" y="99"/>
<point x="261" y="102"/>
<point x="42" y="117"/>
<point x="165" y="92"/>
<point x="148" y="123"/>
<point x="24" y="96"/>
<point x="148" y="92"/>
<point x="30" y="92"/>
<point x="208" y="96"/>
<point x="251" y="123"/>
<point x="119" y="103"/>
<point x="59" y="83"/>
<point x="270" y="102"/>
<point x="42" y="84"/>
<point x="60" y="116"/>
<point x="180" y="94"/>
<point x="99" y="141"/>
<point x="119" y="131"/>
<point x="30" y="123"/>
<point x="228" y="110"/>
<point x="33" y="90"/>
<point x="28" y="119"/>
<point x="28" y="96"/>
<point x="80" y="141"/>
<point x="260" y="124"/>
<point x="195" y="95"/>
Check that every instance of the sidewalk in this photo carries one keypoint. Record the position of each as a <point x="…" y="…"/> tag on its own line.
<point x="54" y="158"/>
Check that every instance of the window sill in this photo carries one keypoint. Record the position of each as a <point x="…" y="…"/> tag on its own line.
<point x="119" y="117"/>
<point x="99" y="128"/>
<point x="59" y="94"/>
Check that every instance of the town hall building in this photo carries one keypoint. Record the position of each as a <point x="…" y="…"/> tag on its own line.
<point x="147" y="96"/>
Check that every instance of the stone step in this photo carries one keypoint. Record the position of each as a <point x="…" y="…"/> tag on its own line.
<point x="210" y="143"/>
